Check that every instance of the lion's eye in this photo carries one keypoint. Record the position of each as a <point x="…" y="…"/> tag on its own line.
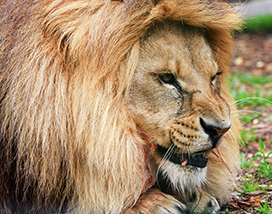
<point x="214" y="77"/>
<point x="167" y="78"/>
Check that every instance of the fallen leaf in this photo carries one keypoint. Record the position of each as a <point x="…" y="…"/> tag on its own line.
<point x="238" y="61"/>
<point x="255" y="201"/>
<point x="260" y="64"/>
<point x="254" y="193"/>
<point x="235" y="205"/>
<point x="255" y="121"/>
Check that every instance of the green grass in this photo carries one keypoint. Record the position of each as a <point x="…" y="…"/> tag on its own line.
<point x="245" y="78"/>
<point x="252" y="91"/>
<point x="250" y="185"/>
<point x="245" y="164"/>
<point x="247" y="136"/>
<point x="263" y="170"/>
<point x="258" y="23"/>
<point x="249" y="115"/>
<point x="264" y="208"/>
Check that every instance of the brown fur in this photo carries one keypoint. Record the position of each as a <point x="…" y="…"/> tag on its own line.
<point x="67" y="137"/>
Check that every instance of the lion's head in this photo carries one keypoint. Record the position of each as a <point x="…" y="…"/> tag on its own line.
<point x="175" y="96"/>
<point x="98" y="97"/>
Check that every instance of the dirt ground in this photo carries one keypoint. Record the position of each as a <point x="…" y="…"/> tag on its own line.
<point x="253" y="54"/>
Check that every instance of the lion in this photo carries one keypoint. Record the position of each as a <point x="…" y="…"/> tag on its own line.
<point x="114" y="106"/>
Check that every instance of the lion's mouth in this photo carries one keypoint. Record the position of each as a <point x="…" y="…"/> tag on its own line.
<point x="197" y="159"/>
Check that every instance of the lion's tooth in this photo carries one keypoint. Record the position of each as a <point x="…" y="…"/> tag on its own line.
<point x="184" y="163"/>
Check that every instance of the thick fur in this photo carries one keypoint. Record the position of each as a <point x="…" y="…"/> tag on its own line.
<point x="67" y="136"/>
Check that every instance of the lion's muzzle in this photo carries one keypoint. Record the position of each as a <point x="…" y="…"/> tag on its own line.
<point x="215" y="131"/>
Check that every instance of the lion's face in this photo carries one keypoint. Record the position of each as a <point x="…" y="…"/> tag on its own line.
<point x="175" y="95"/>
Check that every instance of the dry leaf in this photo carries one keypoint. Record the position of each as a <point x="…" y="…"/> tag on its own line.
<point x="238" y="61"/>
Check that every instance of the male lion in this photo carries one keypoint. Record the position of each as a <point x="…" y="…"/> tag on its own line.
<point x="116" y="106"/>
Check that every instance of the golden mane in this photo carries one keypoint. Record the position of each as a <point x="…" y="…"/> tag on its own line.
<point x="66" y="130"/>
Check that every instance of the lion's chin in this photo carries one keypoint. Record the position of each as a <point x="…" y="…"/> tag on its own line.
<point x="183" y="178"/>
<point x="194" y="160"/>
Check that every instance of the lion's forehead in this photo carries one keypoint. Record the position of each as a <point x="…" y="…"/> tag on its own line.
<point x="182" y="52"/>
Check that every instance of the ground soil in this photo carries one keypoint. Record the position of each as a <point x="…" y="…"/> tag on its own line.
<point x="253" y="54"/>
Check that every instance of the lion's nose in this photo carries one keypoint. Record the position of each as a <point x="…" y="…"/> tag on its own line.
<point x="214" y="130"/>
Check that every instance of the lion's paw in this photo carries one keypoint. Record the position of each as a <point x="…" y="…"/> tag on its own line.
<point x="199" y="201"/>
<point x="155" y="201"/>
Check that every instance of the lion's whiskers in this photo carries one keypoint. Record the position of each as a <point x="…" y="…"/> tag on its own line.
<point x="237" y="102"/>
<point x="167" y="155"/>
<point x="164" y="160"/>
<point x="240" y="113"/>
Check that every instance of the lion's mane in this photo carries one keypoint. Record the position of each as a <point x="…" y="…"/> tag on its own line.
<point x="66" y="133"/>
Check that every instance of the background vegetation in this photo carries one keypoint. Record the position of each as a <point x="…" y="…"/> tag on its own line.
<point x="251" y="85"/>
